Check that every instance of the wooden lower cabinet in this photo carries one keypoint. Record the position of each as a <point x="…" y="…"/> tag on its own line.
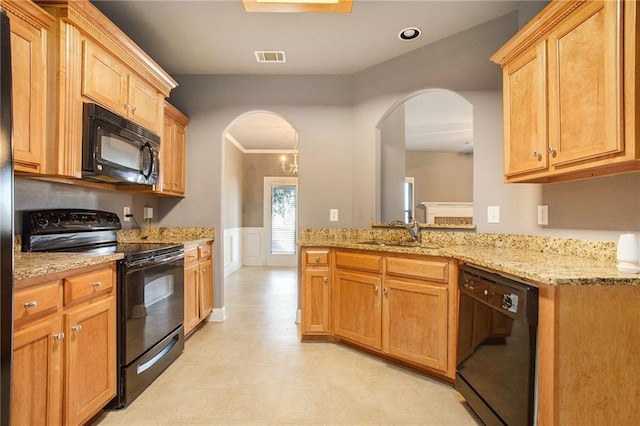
<point x="198" y="286"/>
<point x="414" y="319"/>
<point x="403" y="307"/>
<point x="64" y="360"/>
<point x="37" y="373"/>
<point x="315" y="292"/>
<point x="357" y="313"/>
<point x="90" y="378"/>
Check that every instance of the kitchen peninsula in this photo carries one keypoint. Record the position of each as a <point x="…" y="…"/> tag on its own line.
<point x="587" y="324"/>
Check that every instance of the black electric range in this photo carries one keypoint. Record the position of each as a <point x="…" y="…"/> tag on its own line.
<point x="150" y="289"/>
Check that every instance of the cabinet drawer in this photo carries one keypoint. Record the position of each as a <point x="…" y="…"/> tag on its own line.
<point x="191" y="255"/>
<point x="85" y="285"/>
<point x="364" y="262"/>
<point x="204" y="252"/>
<point x="433" y="270"/>
<point x="317" y="257"/>
<point x="36" y="301"/>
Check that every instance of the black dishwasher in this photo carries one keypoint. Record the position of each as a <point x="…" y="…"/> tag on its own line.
<point x="497" y="335"/>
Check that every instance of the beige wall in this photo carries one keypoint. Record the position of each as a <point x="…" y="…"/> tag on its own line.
<point x="233" y="187"/>
<point x="441" y="176"/>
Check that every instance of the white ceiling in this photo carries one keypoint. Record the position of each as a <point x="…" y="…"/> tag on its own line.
<point x="219" y="37"/>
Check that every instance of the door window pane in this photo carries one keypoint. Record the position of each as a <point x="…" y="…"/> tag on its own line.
<point x="283" y="219"/>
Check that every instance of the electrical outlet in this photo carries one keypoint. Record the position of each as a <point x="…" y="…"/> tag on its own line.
<point x="126" y="213"/>
<point x="333" y="215"/>
<point x="493" y="214"/>
<point x="543" y="215"/>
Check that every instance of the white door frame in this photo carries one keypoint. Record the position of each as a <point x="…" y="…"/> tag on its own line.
<point x="277" y="259"/>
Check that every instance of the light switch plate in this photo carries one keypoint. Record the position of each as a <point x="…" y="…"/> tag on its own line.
<point x="493" y="214"/>
<point x="543" y="215"/>
<point x="333" y="215"/>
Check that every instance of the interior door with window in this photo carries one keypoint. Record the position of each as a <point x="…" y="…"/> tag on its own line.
<point x="281" y="220"/>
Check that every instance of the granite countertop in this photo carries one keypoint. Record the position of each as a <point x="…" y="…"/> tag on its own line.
<point x="32" y="265"/>
<point x="520" y="260"/>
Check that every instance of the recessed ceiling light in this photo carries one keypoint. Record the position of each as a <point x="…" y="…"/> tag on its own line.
<point x="410" y="33"/>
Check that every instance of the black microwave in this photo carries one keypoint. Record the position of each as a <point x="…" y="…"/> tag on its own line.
<point x="117" y="150"/>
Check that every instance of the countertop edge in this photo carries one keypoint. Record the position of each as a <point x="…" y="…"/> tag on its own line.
<point x="531" y="266"/>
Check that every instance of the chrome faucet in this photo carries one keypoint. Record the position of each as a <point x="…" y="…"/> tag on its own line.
<point x="413" y="227"/>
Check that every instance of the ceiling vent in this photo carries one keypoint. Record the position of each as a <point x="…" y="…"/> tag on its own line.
<point x="270" y="56"/>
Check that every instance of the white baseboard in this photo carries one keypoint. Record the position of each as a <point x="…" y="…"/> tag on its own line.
<point x="218" y="315"/>
<point x="298" y="316"/>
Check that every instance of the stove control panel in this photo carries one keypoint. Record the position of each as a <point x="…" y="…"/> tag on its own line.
<point x="57" y="221"/>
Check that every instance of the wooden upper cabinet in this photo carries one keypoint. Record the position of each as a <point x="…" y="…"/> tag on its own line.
<point x="29" y="26"/>
<point x="91" y="60"/>
<point x="104" y="79"/>
<point x="525" y="113"/>
<point x="145" y="104"/>
<point x="107" y="81"/>
<point x="585" y="90"/>
<point x="173" y="152"/>
<point x="570" y="84"/>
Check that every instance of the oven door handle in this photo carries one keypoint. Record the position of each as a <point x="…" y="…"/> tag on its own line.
<point x="154" y="260"/>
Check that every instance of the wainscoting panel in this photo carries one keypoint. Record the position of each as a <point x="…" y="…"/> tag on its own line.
<point x="254" y="247"/>
<point x="232" y="246"/>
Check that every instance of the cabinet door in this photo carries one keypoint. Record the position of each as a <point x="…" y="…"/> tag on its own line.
<point x="178" y="158"/>
<point x="166" y="156"/>
<point x="144" y="104"/>
<point x="104" y="79"/>
<point x="205" y="287"/>
<point x="357" y="310"/>
<point x="90" y="379"/>
<point x="525" y="116"/>
<point x="415" y="322"/>
<point x="28" y="70"/>
<point x="585" y="85"/>
<point x="36" y="375"/>
<point x="191" y="303"/>
<point x="316" y="302"/>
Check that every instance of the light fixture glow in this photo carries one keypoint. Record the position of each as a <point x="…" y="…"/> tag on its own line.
<point x="291" y="168"/>
<point x="298" y="6"/>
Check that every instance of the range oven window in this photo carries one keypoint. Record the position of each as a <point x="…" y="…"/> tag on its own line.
<point x="154" y="304"/>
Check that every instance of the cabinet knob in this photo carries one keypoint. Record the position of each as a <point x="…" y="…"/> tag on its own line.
<point x="96" y="284"/>
<point x="133" y="110"/>
<point x="552" y="151"/>
<point x="58" y="336"/>
<point x="375" y="288"/>
<point x="537" y="154"/>
<point x="385" y="290"/>
<point x="77" y="328"/>
<point x="326" y="280"/>
<point x="203" y="270"/>
<point x="126" y="106"/>
<point x="31" y="304"/>
<point x="317" y="259"/>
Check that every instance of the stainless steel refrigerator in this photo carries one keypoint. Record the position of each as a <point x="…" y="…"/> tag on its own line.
<point x="6" y="223"/>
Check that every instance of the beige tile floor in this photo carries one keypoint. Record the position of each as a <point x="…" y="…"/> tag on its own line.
<point x="252" y="369"/>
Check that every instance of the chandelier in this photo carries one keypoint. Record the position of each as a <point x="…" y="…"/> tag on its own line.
<point x="291" y="168"/>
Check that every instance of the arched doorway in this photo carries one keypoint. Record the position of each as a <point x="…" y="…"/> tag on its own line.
<point x="259" y="192"/>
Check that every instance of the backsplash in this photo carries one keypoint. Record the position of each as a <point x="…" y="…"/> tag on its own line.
<point x="598" y="250"/>
<point x="165" y="235"/>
